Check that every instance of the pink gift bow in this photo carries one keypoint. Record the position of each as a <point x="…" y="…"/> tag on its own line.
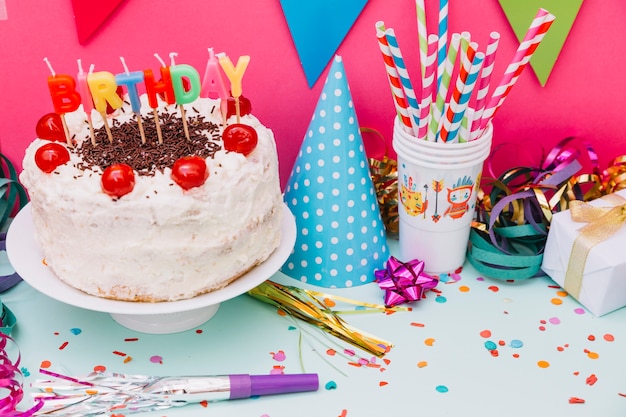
<point x="404" y="281"/>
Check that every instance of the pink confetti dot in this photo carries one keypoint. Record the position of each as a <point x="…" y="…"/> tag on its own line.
<point x="156" y="359"/>
<point x="579" y="310"/>
<point x="279" y="356"/>
<point x="555" y="320"/>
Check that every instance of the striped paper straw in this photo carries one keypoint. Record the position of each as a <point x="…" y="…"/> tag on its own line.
<point x="422" y="33"/>
<point x="442" y="91"/>
<point x="429" y="87"/>
<point x="407" y="86"/>
<point x="399" y="100"/>
<point x="465" y="82"/>
<point x="537" y="30"/>
<point x="443" y="39"/>
<point x="484" y="83"/>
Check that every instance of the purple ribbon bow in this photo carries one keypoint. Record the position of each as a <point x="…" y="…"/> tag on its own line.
<point x="404" y="281"/>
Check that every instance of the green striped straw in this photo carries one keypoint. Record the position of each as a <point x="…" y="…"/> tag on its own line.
<point x="442" y="92"/>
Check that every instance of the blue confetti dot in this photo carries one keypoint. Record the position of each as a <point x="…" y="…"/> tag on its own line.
<point x="441" y="299"/>
<point x="441" y="388"/>
<point x="359" y="308"/>
<point x="292" y="328"/>
<point x="331" y="385"/>
<point x="516" y="343"/>
<point x="490" y="345"/>
<point x="76" y="330"/>
<point x="444" y="278"/>
<point x="25" y="372"/>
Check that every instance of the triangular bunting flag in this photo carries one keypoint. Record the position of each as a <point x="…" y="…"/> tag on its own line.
<point x="521" y="13"/>
<point x="89" y="16"/>
<point x="317" y="28"/>
<point x="341" y="237"/>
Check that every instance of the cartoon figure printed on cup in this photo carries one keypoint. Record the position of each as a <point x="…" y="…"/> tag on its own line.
<point x="411" y="198"/>
<point x="437" y="187"/>
<point x="458" y="196"/>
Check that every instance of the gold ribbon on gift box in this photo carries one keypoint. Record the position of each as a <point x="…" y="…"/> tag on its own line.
<point x="603" y="222"/>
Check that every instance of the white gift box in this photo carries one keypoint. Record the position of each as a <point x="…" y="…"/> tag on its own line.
<point x="603" y="287"/>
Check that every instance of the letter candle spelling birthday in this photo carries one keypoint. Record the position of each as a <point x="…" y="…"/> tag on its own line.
<point x="86" y="96"/>
<point x="65" y="99"/>
<point x="184" y="96"/>
<point x="104" y="90"/>
<point x="235" y="74"/>
<point x="153" y="88"/>
<point x="130" y="80"/>
<point x="213" y="84"/>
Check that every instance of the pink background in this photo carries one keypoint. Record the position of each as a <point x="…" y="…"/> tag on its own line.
<point x="584" y="96"/>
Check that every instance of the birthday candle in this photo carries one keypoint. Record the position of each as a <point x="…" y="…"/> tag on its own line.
<point x="64" y="96"/>
<point x="178" y="74"/>
<point x="235" y="75"/>
<point x="86" y="98"/>
<point x="103" y="90"/>
<point x="130" y="80"/>
<point x="213" y="84"/>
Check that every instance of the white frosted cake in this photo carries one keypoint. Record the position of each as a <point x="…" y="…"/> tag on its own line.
<point x="159" y="241"/>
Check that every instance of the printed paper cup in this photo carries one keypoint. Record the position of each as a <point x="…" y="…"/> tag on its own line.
<point x="437" y="198"/>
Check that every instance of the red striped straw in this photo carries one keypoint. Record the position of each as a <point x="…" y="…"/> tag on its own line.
<point x="467" y="57"/>
<point x="484" y="83"/>
<point x="399" y="99"/>
<point x="429" y="86"/>
<point x="537" y="30"/>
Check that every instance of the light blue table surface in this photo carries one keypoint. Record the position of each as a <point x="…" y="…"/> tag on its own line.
<point x="438" y="345"/>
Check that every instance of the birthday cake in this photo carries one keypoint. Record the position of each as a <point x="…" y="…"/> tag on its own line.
<point x="122" y="212"/>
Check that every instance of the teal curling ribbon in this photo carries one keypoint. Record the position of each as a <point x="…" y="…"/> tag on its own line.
<point x="508" y="237"/>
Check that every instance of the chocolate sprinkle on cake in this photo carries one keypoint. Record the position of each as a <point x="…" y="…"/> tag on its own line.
<point x="147" y="158"/>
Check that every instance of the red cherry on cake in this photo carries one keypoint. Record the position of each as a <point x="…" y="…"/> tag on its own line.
<point x="118" y="180"/>
<point x="50" y="127"/>
<point x="189" y="172"/>
<point x="49" y="156"/>
<point x="240" y="138"/>
<point x="245" y="107"/>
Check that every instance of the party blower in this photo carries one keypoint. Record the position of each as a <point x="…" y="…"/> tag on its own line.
<point x="99" y="392"/>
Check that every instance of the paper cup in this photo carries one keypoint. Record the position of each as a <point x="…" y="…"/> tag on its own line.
<point x="437" y="187"/>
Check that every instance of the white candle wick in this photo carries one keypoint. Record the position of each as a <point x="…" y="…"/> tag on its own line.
<point x="124" y="65"/>
<point x="160" y="60"/>
<point x="49" y="66"/>
<point x="172" y="55"/>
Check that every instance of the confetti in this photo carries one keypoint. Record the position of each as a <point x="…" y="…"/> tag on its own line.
<point x="556" y="301"/>
<point x="591" y="379"/>
<point x="591" y="338"/>
<point x="63" y="346"/>
<point x="278" y="356"/>
<point x="330" y="385"/>
<point x="45" y="364"/>
<point x="441" y="299"/>
<point x="516" y="344"/>
<point x="576" y="400"/>
<point x="99" y="368"/>
<point x="429" y="342"/>
<point x="579" y="310"/>
<point x="485" y="333"/>
<point x="464" y="288"/>
<point x="75" y="331"/>
<point x="422" y="364"/>
<point x="131" y="339"/>
<point x="493" y="288"/>
<point x="489" y="345"/>
<point x="555" y="320"/>
<point x="382" y="383"/>
<point x="543" y="364"/>
<point x="417" y="324"/>
<point x="156" y="359"/>
<point x="441" y="388"/>
<point x="609" y="337"/>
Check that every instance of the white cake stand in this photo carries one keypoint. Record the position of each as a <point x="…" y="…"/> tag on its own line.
<point x="26" y="257"/>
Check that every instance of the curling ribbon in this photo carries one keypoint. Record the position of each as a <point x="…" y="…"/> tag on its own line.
<point x="602" y="222"/>
<point x="384" y="174"/>
<point x="11" y="383"/>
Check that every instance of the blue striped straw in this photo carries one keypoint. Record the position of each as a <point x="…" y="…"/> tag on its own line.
<point x="465" y="96"/>
<point x="443" y="39"/>
<point x="404" y="76"/>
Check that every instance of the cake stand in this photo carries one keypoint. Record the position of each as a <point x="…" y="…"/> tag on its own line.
<point x="26" y="257"/>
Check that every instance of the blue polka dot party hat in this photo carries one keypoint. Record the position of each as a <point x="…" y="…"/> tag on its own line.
<point x="341" y="237"/>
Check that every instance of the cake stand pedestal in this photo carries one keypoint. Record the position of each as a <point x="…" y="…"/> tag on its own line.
<point x="26" y="257"/>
